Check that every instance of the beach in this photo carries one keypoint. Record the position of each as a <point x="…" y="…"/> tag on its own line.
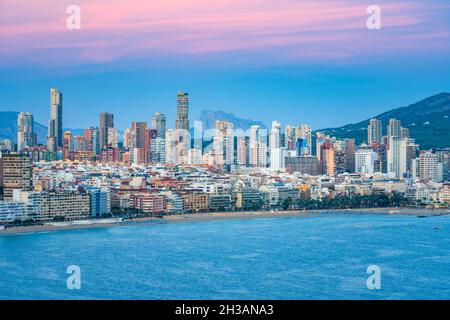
<point x="210" y="216"/>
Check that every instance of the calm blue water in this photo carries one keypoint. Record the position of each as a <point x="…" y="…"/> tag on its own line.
<point x="277" y="258"/>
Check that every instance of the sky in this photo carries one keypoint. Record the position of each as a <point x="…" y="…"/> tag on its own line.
<point x="294" y="61"/>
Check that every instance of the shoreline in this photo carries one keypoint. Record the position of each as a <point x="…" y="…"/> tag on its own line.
<point x="213" y="216"/>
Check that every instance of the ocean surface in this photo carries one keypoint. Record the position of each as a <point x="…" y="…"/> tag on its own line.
<point x="321" y="257"/>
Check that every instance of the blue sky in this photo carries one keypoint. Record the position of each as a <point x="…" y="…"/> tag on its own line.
<point x="287" y="75"/>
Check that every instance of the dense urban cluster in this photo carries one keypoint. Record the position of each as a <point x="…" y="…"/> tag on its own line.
<point x="158" y="170"/>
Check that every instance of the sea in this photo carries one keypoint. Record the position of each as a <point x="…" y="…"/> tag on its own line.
<point x="328" y="256"/>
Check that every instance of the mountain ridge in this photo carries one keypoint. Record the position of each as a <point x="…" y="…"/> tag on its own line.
<point x="208" y="119"/>
<point x="428" y="121"/>
<point x="8" y="128"/>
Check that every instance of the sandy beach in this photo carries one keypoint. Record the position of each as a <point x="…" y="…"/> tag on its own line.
<point x="210" y="216"/>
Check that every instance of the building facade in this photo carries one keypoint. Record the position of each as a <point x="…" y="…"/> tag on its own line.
<point x="17" y="174"/>
<point x="25" y="131"/>
<point x="55" y="124"/>
<point x="106" y="121"/>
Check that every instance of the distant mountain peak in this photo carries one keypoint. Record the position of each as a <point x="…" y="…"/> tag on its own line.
<point x="8" y="127"/>
<point x="209" y="117"/>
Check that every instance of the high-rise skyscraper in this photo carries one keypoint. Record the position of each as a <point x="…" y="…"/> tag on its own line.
<point x="275" y="135"/>
<point x="289" y="137"/>
<point x="159" y="124"/>
<point x="305" y="135"/>
<point x="171" y="155"/>
<point x="25" y="131"/>
<point x="327" y="161"/>
<point x="92" y="139"/>
<point x="182" y="134"/>
<point x="404" y="132"/>
<point x="276" y="151"/>
<point x="55" y="133"/>
<point x="139" y="128"/>
<point x="17" y="174"/>
<point x="257" y="147"/>
<point x="242" y="151"/>
<point x="106" y="121"/>
<point x="365" y="159"/>
<point x="182" y="121"/>
<point x="223" y="143"/>
<point x="113" y="137"/>
<point x="68" y="145"/>
<point x="399" y="155"/>
<point x="374" y="132"/>
<point x="350" y="150"/>
<point x="428" y="166"/>
<point x="158" y="153"/>
<point x="320" y="139"/>
<point x="394" y="129"/>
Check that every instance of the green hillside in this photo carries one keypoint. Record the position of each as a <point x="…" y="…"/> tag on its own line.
<point x="427" y="120"/>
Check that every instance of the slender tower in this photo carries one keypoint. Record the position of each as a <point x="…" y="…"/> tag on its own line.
<point x="374" y="132"/>
<point x="106" y="121"/>
<point x="182" y="121"/>
<point x="55" y="134"/>
<point x="159" y="123"/>
<point x="25" y="131"/>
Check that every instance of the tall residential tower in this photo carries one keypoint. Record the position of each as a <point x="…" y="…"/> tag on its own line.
<point x="25" y="131"/>
<point x="374" y="132"/>
<point x="182" y="121"/>
<point x="106" y="121"/>
<point x="55" y="133"/>
<point x="159" y="123"/>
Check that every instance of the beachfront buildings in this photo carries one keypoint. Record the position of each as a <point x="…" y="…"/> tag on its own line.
<point x="16" y="174"/>
<point x="70" y="191"/>
<point x="99" y="202"/>
<point x="11" y="211"/>
<point x="147" y="203"/>
<point x="54" y="205"/>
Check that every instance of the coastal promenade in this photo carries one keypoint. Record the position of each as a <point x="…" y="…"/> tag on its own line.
<point x="192" y="217"/>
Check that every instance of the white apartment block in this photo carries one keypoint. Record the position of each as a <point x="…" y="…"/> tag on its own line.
<point x="428" y="166"/>
<point x="11" y="211"/>
<point x="365" y="160"/>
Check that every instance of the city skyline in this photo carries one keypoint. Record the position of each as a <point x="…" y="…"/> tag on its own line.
<point x="224" y="149"/>
<point x="150" y="118"/>
<point x="235" y="65"/>
<point x="107" y="135"/>
<point x="394" y="154"/>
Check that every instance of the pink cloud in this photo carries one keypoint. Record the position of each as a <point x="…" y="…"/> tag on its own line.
<point x="118" y="29"/>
